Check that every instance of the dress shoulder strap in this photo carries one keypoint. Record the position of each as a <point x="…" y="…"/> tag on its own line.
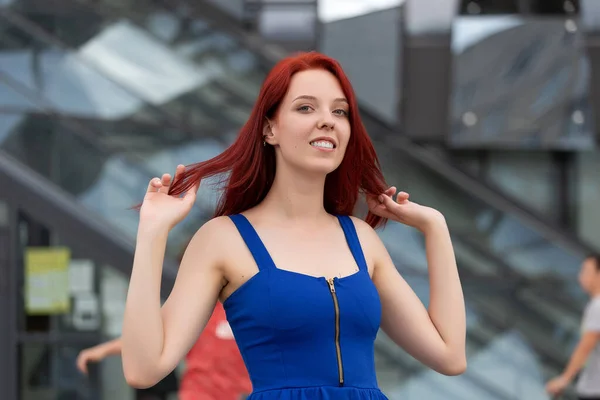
<point x="353" y="242"/>
<point x="255" y="245"/>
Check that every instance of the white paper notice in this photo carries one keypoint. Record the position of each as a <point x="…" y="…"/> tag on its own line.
<point x="81" y="277"/>
<point x="86" y="312"/>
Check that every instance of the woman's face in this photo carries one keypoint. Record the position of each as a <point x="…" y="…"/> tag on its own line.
<point x="311" y="129"/>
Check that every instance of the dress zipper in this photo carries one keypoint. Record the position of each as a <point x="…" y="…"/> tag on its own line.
<point x="338" y="349"/>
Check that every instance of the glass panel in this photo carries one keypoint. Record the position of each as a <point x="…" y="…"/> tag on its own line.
<point x="13" y="100"/>
<point x="108" y="182"/>
<point x="288" y="23"/>
<point x="508" y="355"/>
<point x="526" y="251"/>
<point x="526" y="176"/>
<point x="372" y="62"/>
<point x="494" y="7"/>
<point x="585" y="211"/>
<point x="236" y="8"/>
<point x="8" y="122"/>
<point x="429" y="17"/>
<point x="334" y="10"/>
<point x="49" y="372"/>
<point x="531" y="299"/>
<point x="61" y="78"/>
<point x="134" y="139"/>
<point x="534" y="91"/>
<point x="51" y="340"/>
<point x="200" y="69"/>
<point x="590" y="15"/>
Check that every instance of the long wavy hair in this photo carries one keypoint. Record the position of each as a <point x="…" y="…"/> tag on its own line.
<point x="249" y="166"/>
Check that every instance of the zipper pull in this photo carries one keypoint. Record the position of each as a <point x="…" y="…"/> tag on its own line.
<point x="331" y="286"/>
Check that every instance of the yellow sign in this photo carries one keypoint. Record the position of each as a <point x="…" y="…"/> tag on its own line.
<point x="47" y="280"/>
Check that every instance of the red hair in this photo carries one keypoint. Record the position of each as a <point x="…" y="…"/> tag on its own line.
<point x="251" y="166"/>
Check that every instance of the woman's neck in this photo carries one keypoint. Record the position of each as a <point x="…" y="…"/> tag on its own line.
<point x="296" y="196"/>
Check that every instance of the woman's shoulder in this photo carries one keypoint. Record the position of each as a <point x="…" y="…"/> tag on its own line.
<point x="366" y="234"/>
<point x="368" y="237"/>
<point x="217" y="224"/>
<point x="362" y="227"/>
<point x="214" y="233"/>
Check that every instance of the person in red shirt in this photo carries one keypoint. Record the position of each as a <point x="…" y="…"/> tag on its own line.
<point x="214" y="367"/>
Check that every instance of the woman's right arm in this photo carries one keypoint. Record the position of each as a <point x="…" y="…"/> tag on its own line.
<point x="155" y="339"/>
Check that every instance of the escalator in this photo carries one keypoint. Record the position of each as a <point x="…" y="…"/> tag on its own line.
<point x="519" y="278"/>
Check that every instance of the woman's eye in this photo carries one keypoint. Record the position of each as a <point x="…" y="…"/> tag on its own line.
<point x="341" y="112"/>
<point x="304" y="108"/>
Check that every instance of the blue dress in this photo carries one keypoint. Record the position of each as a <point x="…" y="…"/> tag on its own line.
<point x="305" y="337"/>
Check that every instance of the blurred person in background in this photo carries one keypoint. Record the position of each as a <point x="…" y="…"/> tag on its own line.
<point x="214" y="369"/>
<point x="587" y="353"/>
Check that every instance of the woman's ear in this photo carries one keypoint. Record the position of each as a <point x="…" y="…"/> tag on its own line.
<point x="268" y="132"/>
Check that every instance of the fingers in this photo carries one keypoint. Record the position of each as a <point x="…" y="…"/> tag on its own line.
<point x="160" y="184"/>
<point x="154" y="185"/>
<point x="179" y="171"/>
<point x="190" y="195"/>
<point x="82" y="364"/>
<point x="165" y="182"/>
<point x="402" y="197"/>
<point x="386" y="201"/>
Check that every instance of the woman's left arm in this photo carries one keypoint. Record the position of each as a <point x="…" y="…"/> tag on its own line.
<point x="435" y="336"/>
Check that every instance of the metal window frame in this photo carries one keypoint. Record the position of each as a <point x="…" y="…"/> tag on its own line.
<point x="9" y="382"/>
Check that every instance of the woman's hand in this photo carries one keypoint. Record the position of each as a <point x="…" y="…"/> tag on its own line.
<point x="403" y="210"/>
<point x="161" y="210"/>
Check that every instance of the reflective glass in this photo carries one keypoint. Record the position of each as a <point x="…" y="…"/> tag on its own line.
<point x="587" y="197"/>
<point x="520" y="83"/>
<point x="110" y="72"/>
<point x="108" y="182"/>
<point x="49" y="372"/>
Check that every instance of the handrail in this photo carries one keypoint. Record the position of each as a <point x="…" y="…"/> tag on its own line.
<point x="486" y="194"/>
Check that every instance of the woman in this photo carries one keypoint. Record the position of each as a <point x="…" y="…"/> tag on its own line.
<point x="305" y="312"/>
<point x="214" y="369"/>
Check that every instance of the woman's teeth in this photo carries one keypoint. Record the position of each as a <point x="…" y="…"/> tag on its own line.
<point x="323" y="144"/>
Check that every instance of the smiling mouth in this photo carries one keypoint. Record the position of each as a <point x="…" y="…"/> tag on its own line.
<point x="323" y="144"/>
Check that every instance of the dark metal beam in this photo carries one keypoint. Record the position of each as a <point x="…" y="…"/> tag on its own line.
<point x="427" y="26"/>
<point x="593" y="52"/>
<point x="426" y="87"/>
<point x="9" y="381"/>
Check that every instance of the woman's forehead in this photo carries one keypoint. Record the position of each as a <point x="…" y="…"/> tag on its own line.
<point x="315" y="85"/>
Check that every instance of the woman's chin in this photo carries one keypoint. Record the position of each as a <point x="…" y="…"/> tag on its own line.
<point x="322" y="168"/>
